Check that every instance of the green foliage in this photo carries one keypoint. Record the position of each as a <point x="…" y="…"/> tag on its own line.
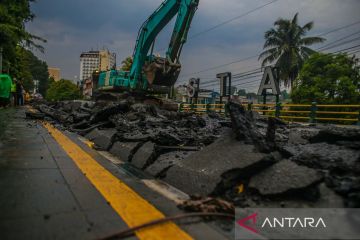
<point x="285" y="95"/>
<point x="28" y="67"/>
<point x="62" y="90"/>
<point x="21" y="68"/>
<point x="251" y="96"/>
<point x="328" y="79"/>
<point x="39" y="71"/>
<point x="126" y="64"/>
<point x="13" y="16"/>
<point x="287" y="45"/>
<point x="242" y="92"/>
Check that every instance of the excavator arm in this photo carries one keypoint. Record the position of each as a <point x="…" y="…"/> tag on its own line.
<point x="179" y="36"/>
<point x="162" y="71"/>
<point x="148" y="72"/>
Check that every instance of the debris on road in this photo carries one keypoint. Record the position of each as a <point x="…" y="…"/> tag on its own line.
<point x="207" y="205"/>
<point x="277" y="164"/>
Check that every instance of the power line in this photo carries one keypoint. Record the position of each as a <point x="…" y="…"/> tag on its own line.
<point x="234" y="77"/>
<point x="250" y="57"/>
<point x="195" y="35"/>
<point x="235" y="81"/>
<point x="230" y="20"/>
<point x="247" y="72"/>
<point x="254" y="71"/>
<point x="340" y="28"/>
<point x="355" y="51"/>
<point x="340" y="44"/>
<point x="242" y="79"/>
<point x="222" y="65"/>
<point x="347" y="48"/>
<point x="329" y="44"/>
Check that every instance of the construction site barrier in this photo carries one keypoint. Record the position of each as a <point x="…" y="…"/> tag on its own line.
<point x="312" y="113"/>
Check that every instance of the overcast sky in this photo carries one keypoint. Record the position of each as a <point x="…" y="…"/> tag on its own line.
<point x="74" y="26"/>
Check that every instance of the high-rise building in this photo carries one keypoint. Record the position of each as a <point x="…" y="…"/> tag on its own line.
<point x="54" y="73"/>
<point x="91" y="61"/>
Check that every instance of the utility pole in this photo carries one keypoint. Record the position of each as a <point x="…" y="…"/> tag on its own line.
<point x="1" y="59"/>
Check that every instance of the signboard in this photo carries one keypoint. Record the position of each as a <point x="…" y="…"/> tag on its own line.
<point x="193" y="87"/>
<point x="225" y="83"/>
<point x="269" y="81"/>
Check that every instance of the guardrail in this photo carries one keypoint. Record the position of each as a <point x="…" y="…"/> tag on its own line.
<point x="202" y="108"/>
<point x="290" y="112"/>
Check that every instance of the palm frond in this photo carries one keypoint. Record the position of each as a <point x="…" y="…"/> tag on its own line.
<point x="311" y="40"/>
<point x="308" y="26"/>
<point x="295" y="19"/>
<point x="268" y="52"/>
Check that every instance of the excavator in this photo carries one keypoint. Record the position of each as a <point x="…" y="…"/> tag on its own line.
<point x="150" y="74"/>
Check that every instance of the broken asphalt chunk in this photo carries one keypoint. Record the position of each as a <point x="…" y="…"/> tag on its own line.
<point x="165" y="161"/>
<point x="283" y="177"/>
<point x="102" y="138"/>
<point x="124" y="150"/>
<point x="145" y="155"/>
<point x="203" y="172"/>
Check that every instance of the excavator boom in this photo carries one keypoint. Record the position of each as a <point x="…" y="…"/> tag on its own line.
<point x="148" y="72"/>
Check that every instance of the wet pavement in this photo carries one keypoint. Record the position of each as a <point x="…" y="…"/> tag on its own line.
<point x="44" y="194"/>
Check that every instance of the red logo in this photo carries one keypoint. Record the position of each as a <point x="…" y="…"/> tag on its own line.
<point x="242" y="222"/>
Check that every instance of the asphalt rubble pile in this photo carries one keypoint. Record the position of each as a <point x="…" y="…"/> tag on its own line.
<point x="247" y="160"/>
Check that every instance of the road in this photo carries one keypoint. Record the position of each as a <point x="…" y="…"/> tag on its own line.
<point x="55" y="186"/>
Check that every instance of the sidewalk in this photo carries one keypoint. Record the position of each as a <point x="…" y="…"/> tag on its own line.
<point x="43" y="194"/>
<point x="54" y="187"/>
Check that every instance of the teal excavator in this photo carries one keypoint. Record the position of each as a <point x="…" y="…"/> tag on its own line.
<point x="150" y="73"/>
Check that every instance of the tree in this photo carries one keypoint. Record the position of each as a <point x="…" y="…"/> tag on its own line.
<point x="328" y="79"/>
<point x="126" y="64"/>
<point x="242" y="92"/>
<point x="287" y="45"/>
<point x="251" y="96"/>
<point x="21" y="68"/>
<point x="39" y="72"/>
<point x="13" y="16"/>
<point x="285" y="95"/>
<point x="62" y="90"/>
<point x="27" y="68"/>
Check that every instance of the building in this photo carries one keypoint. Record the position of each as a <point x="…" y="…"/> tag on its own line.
<point x="54" y="73"/>
<point x="91" y="61"/>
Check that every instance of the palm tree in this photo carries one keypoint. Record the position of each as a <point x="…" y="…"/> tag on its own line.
<point x="287" y="45"/>
<point x="126" y="64"/>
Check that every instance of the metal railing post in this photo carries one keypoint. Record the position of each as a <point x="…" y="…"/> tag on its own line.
<point x="313" y="110"/>
<point x="181" y="107"/>
<point x="358" y="123"/>
<point x="278" y="108"/>
<point x="226" y="108"/>
<point x="192" y="107"/>
<point x="207" y="107"/>
<point x="250" y="106"/>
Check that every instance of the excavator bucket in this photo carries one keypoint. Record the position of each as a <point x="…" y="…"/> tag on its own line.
<point x="161" y="72"/>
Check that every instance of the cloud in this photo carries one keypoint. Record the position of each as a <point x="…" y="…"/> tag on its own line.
<point x="75" y="26"/>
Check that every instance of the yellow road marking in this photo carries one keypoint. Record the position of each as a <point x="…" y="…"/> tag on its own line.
<point x="130" y="206"/>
